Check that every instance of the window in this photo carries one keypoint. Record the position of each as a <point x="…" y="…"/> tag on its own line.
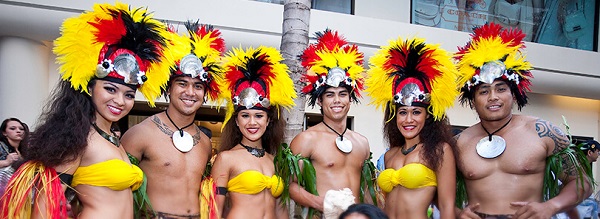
<point x="566" y="23"/>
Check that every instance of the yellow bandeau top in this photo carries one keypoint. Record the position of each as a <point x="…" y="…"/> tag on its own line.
<point x="115" y="174"/>
<point x="252" y="182"/>
<point x="410" y="176"/>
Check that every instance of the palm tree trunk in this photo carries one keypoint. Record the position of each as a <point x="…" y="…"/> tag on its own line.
<point x="296" y="20"/>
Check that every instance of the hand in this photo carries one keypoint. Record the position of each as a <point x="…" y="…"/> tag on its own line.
<point x="467" y="212"/>
<point x="12" y="157"/>
<point x="531" y="210"/>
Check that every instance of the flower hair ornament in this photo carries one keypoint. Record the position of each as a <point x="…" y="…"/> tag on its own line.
<point x="332" y="62"/>
<point x="198" y="55"/>
<point x="257" y="80"/>
<point x="412" y="73"/>
<point x="494" y="53"/>
<point x="114" y="43"/>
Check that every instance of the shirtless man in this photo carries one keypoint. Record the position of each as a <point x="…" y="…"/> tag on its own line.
<point x="503" y="157"/>
<point x="172" y="150"/>
<point x="338" y="166"/>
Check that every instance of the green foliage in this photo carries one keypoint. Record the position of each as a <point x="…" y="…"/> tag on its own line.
<point x="141" y="202"/>
<point x="287" y="166"/>
<point x="367" y="179"/>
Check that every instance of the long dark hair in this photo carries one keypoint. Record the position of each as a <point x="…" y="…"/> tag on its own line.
<point x="271" y="139"/>
<point x="433" y="135"/>
<point x="22" y="143"/>
<point x="64" y="125"/>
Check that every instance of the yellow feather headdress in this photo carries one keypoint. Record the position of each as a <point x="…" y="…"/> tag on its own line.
<point x="332" y="62"/>
<point x="114" y="43"/>
<point x="197" y="55"/>
<point x="494" y="53"/>
<point x="410" y="72"/>
<point x="256" y="79"/>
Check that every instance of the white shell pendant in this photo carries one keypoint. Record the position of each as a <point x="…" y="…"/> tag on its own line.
<point x="491" y="149"/>
<point x="183" y="143"/>
<point x="344" y="145"/>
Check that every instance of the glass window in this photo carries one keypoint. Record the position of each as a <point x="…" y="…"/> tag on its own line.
<point x="566" y="23"/>
<point x="340" y="6"/>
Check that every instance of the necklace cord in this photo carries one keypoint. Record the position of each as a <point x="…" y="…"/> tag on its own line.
<point x="179" y="129"/>
<point x="341" y="135"/>
<point x="497" y="130"/>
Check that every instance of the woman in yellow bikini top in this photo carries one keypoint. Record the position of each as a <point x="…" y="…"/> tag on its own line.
<point x="415" y="82"/>
<point x="105" y="55"/>
<point x="244" y="168"/>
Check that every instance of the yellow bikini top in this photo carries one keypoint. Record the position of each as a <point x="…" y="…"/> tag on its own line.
<point x="115" y="174"/>
<point x="410" y="176"/>
<point x="252" y="182"/>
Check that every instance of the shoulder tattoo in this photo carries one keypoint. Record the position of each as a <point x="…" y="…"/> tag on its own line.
<point x="162" y="126"/>
<point x="547" y="129"/>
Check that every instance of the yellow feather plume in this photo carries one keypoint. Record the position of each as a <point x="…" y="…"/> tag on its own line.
<point x="444" y="86"/>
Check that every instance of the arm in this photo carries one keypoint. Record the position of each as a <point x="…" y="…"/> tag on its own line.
<point x="572" y="192"/>
<point x="220" y="174"/>
<point x="446" y="178"/>
<point x="41" y="200"/>
<point x="301" y="145"/>
<point x="10" y="158"/>
<point x="133" y="141"/>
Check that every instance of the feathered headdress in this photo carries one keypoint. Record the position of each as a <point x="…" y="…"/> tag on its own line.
<point x="412" y="73"/>
<point x="332" y="62"/>
<point x="114" y="43"/>
<point x="493" y="54"/>
<point x="197" y="55"/>
<point x="257" y="80"/>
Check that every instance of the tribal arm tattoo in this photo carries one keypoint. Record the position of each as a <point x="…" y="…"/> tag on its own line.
<point x="547" y="129"/>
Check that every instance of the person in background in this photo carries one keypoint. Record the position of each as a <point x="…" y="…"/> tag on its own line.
<point x="13" y="139"/>
<point x="105" y="55"/>
<point x="415" y="83"/>
<point x="588" y="208"/>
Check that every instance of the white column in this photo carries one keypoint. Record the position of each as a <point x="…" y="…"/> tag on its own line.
<point x="23" y="78"/>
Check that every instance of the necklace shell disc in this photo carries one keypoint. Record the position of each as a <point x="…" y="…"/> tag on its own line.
<point x="183" y="143"/>
<point x="344" y="145"/>
<point x="491" y="149"/>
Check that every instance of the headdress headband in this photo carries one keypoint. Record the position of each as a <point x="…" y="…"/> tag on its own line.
<point x="411" y="72"/>
<point x="493" y="54"/>
<point x="113" y="43"/>
<point x="257" y="80"/>
<point x="198" y="55"/>
<point x="332" y="62"/>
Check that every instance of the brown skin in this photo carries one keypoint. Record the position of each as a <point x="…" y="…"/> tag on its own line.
<point x="512" y="182"/>
<point x="230" y="163"/>
<point x="335" y="170"/>
<point x="101" y="201"/>
<point x="402" y="202"/>
<point x="174" y="177"/>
